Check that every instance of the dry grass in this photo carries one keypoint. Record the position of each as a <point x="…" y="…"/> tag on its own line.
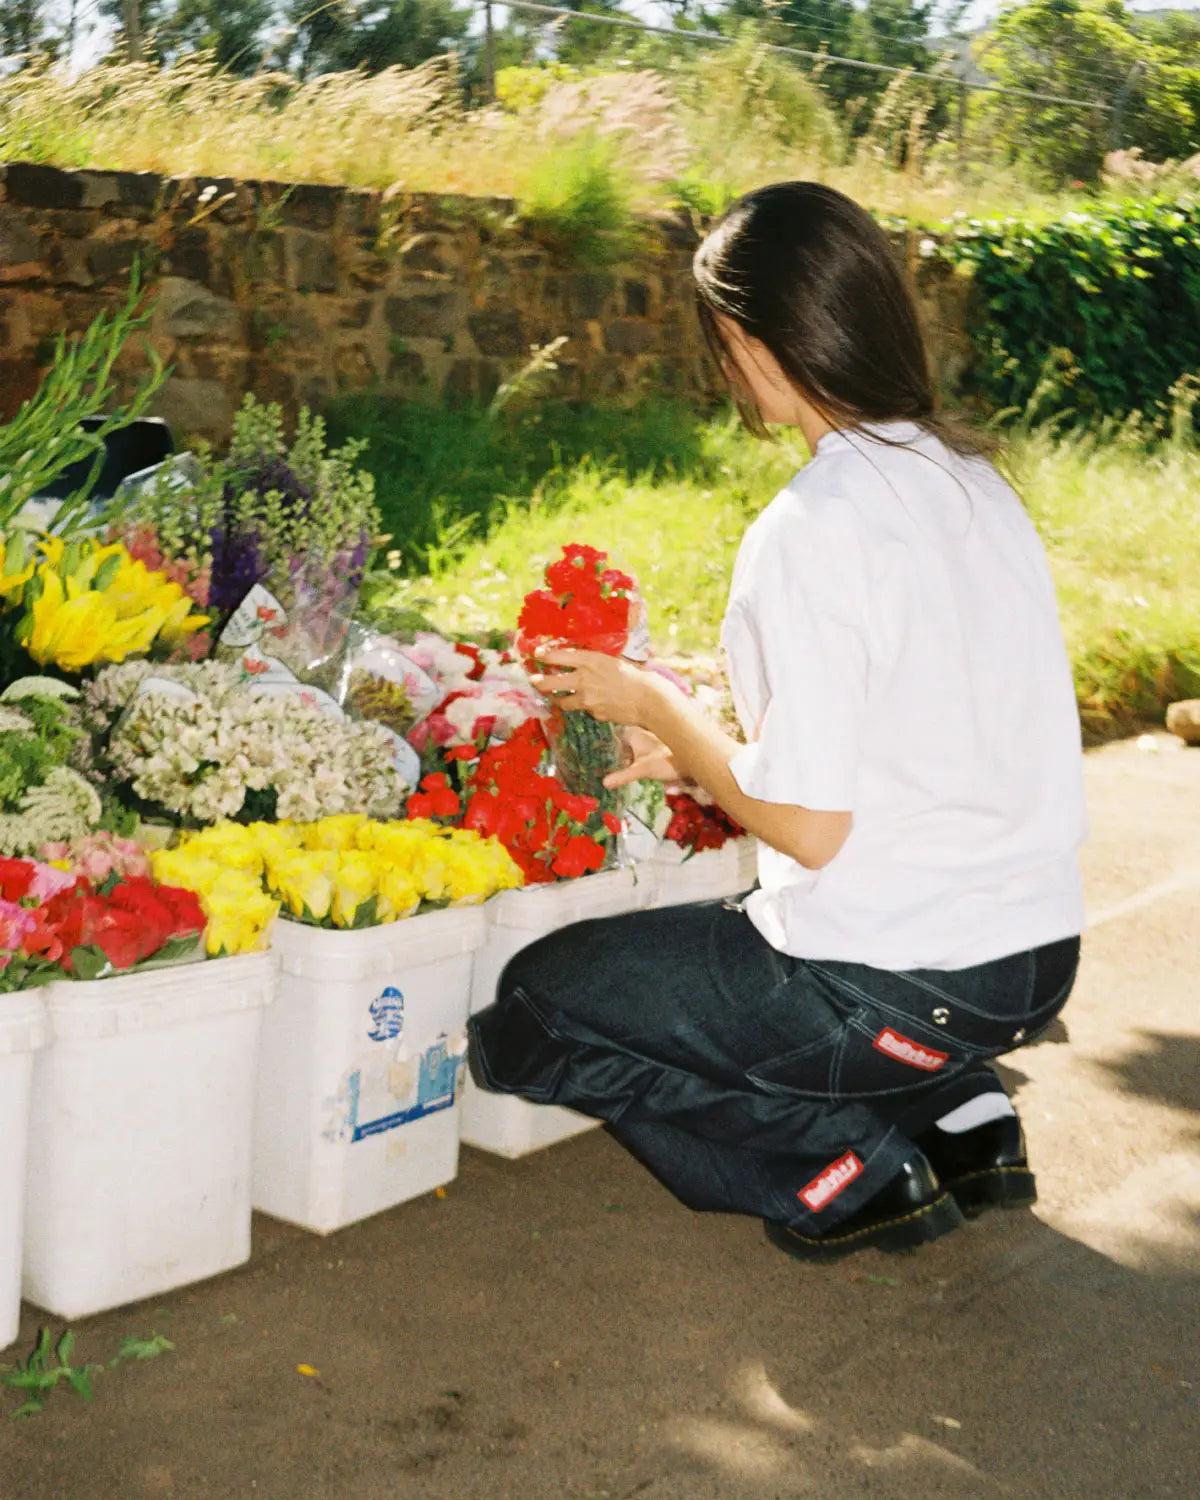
<point x="700" y="129"/>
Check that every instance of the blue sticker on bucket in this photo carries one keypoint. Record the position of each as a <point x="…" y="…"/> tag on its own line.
<point x="387" y="1015"/>
<point x="437" y="1072"/>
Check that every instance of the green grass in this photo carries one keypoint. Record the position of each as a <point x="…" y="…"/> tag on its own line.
<point x="670" y="494"/>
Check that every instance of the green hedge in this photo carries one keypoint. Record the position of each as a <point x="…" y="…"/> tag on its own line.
<point x="1094" y="316"/>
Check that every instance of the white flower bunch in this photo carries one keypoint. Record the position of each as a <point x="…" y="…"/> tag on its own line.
<point x="64" y="808"/>
<point x="114" y="689"/>
<point x="201" y="758"/>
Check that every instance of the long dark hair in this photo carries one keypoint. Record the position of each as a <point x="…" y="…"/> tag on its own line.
<point x="810" y="274"/>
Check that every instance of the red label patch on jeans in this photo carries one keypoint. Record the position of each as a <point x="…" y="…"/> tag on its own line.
<point x="905" y="1050"/>
<point x="826" y="1185"/>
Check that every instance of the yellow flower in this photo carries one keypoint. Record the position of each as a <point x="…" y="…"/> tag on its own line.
<point x="398" y="895"/>
<point x="97" y="604"/>
<point x="185" y="868"/>
<point x="356" y="882"/>
<point x="239" y="915"/>
<point x="231" y="845"/>
<point x="337" y="832"/>
<point x="304" y="880"/>
<point x="238" y="910"/>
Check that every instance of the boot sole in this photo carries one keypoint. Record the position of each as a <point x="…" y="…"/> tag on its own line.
<point x="994" y="1187"/>
<point x="906" y="1232"/>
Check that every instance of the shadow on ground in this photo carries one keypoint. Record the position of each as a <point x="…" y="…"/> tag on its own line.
<point x="559" y="1327"/>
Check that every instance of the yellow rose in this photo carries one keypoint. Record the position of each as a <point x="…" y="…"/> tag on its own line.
<point x="398" y="895"/>
<point x="239" y="916"/>
<point x="336" y="832"/>
<point x="304" y="880"/>
<point x="356" y="882"/>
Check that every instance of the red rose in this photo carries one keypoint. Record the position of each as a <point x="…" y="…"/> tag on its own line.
<point x="16" y="876"/>
<point x="612" y="823"/>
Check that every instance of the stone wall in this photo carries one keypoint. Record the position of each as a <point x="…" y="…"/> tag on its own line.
<point x="301" y="293"/>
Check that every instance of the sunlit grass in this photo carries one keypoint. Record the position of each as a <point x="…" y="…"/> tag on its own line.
<point x="1120" y="521"/>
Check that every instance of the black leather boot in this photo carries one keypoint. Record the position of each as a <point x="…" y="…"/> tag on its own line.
<point x="985" y="1167"/>
<point x="911" y="1210"/>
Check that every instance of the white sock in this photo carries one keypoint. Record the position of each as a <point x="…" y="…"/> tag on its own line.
<point x="975" y="1112"/>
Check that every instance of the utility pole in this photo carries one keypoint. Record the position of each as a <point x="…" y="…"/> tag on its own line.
<point x="489" y="53"/>
<point x="1116" y="119"/>
<point x="131" y="16"/>
<point x="961" y="122"/>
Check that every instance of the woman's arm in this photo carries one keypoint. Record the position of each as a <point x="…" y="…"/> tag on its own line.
<point x="612" y="689"/>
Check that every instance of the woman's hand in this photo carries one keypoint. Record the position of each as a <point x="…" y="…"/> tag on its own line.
<point x="607" y="687"/>
<point x="652" y="761"/>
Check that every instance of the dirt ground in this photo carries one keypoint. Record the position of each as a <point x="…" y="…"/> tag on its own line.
<point x="559" y="1327"/>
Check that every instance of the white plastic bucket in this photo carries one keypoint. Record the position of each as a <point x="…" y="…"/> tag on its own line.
<point x="24" y="1028"/>
<point x="708" y="876"/>
<point x="361" y="1069"/>
<point x="502" y="1123"/>
<point x="139" y="1151"/>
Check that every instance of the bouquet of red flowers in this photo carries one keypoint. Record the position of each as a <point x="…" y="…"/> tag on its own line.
<point x="696" y="826"/>
<point x="501" y="792"/>
<point x="593" y="607"/>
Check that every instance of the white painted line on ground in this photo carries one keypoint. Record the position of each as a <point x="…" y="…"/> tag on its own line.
<point x="1182" y="880"/>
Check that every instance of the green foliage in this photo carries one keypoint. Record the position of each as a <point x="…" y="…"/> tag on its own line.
<point x="234" y="35"/>
<point x="580" y="200"/>
<point x="371" y="34"/>
<point x="45" y="437"/>
<point x="51" y="1364"/>
<point x="1091" y="317"/>
<point x="283" y="498"/>
<point x="1117" y="512"/>
<point x="46" y="1368"/>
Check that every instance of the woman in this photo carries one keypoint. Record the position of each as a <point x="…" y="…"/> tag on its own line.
<point x="816" y="1054"/>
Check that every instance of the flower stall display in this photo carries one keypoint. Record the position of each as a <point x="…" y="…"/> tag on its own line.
<point x="361" y="1067"/>
<point x="586" y="604"/>
<point x="43" y="797"/>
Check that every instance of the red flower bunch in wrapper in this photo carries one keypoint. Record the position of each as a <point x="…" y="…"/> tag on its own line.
<point x="695" y="826"/>
<point x="551" y="832"/>
<point x="592" y="607"/>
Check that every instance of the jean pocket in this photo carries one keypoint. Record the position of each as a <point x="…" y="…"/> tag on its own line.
<point x="890" y="1055"/>
<point x="806" y="1071"/>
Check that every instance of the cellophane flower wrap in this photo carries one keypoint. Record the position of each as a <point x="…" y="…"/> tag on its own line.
<point x="588" y="605"/>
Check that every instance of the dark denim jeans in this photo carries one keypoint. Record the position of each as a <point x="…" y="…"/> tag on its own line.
<point x="740" y="1076"/>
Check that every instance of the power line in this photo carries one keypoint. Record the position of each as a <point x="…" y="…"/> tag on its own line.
<point x="534" y="8"/>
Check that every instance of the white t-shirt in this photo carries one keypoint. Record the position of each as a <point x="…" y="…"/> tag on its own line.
<point x="895" y="652"/>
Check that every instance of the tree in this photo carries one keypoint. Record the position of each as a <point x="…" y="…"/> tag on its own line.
<point x="25" y="28"/>
<point x="371" y="34"/>
<point x="893" y="33"/>
<point x="234" y="33"/>
<point x="1142" y="75"/>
